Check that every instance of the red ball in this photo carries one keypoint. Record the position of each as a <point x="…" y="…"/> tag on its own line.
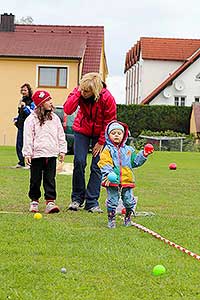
<point x="148" y="148"/>
<point x="172" y="166"/>
<point x="123" y="211"/>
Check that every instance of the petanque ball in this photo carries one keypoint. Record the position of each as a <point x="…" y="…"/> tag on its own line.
<point x="63" y="270"/>
<point x="37" y="216"/>
<point x="148" y="148"/>
<point x="123" y="211"/>
<point x="112" y="177"/>
<point x="172" y="166"/>
<point x="158" y="270"/>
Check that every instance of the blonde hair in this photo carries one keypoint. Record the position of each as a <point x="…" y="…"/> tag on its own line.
<point x="93" y="82"/>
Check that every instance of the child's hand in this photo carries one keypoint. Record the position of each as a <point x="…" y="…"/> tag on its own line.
<point x="27" y="160"/>
<point x="106" y="181"/>
<point x="61" y="157"/>
<point x="148" y="149"/>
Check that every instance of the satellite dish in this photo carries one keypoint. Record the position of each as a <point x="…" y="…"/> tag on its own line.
<point x="179" y="85"/>
<point x="167" y="92"/>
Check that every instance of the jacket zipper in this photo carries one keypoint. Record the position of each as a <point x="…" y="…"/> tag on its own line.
<point x="120" y="166"/>
<point x="94" y="120"/>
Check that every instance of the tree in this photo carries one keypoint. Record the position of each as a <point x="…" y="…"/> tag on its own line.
<point x="25" y="20"/>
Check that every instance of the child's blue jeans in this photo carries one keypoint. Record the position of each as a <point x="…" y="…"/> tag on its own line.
<point x="126" y="195"/>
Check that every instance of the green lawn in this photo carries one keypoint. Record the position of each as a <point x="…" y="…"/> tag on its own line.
<point x="101" y="263"/>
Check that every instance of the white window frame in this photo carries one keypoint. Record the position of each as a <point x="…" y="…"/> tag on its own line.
<point x="179" y="102"/>
<point x="196" y="97"/>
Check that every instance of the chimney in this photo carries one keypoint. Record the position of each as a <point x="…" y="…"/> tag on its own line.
<point x="7" y="22"/>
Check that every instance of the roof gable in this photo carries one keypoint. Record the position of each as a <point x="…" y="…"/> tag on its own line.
<point x="172" y="77"/>
<point x="161" y="49"/>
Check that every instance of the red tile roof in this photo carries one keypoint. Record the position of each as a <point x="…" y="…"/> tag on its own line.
<point x="55" y="42"/>
<point x="168" y="48"/>
<point x="41" y="45"/>
<point x="161" y="49"/>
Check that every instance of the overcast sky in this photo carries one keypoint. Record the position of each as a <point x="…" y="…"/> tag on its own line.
<point x="124" y="23"/>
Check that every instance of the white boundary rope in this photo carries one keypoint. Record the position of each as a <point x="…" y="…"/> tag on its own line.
<point x="158" y="236"/>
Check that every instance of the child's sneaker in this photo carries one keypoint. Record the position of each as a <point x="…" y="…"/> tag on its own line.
<point x="111" y="223"/>
<point x="111" y="218"/>
<point x="34" y="207"/>
<point x="51" y="208"/>
<point x="127" y="221"/>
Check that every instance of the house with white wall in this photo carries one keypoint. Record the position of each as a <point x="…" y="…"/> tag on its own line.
<point x="163" y="71"/>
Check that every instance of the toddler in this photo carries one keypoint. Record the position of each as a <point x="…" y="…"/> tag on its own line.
<point x="117" y="161"/>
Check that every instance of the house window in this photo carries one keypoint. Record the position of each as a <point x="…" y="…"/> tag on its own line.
<point x="179" y="101"/>
<point x="52" y="77"/>
<point x="197" y="99"/>
<point x="182" y="101"/>
<point x="176" y="101"/>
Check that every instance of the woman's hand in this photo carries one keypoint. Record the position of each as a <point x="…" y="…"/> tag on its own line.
<point x="97" y="149"/>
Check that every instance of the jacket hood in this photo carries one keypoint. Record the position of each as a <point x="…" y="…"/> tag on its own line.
<point x="126" y="133"/>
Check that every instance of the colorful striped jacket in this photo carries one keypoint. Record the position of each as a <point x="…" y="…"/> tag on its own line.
<point x="120" y="159"/>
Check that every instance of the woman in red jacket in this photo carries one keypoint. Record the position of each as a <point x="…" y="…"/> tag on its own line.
<point x="97" y="107"/>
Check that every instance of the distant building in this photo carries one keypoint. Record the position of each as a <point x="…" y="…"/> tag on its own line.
<point x="46" y="56"/>
<point x="163" y="71"/>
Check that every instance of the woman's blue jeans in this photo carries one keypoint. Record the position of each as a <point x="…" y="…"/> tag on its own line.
<point x="19" y="146"/>
<point x="80" y="192"/>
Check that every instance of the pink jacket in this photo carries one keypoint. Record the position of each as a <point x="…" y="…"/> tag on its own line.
<point x="47" y="140"/>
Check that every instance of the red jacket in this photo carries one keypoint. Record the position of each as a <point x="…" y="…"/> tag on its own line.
<point x="92" y="117"/>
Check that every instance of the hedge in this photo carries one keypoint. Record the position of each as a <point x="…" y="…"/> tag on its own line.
<point x="155" y="118"/>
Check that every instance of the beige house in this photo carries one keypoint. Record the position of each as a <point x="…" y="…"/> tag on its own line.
<point x="195" y="121"/>
<point x="48" y="57"/>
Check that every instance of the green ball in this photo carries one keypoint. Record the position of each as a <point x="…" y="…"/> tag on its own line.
<point x="159" y="270"/>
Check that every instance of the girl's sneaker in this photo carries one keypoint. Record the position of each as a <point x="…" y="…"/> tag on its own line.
<point x="51" y="208"/>
<point x="34" y="207"/>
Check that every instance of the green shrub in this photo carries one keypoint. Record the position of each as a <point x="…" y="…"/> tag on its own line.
<point x="154" y="118"/>
<point x="168" y="145"/>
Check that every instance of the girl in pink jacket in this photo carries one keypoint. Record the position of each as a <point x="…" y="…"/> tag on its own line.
<point x="44" y="140"/>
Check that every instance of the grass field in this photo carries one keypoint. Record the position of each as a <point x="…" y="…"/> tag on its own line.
<point x="101" y="263"/>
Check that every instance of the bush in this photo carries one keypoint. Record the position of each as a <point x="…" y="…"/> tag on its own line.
<point x="155" y="118"/>
<point x="167" y="145"/>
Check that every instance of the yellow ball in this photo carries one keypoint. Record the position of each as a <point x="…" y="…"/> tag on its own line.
<point x="37" y="216"/>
